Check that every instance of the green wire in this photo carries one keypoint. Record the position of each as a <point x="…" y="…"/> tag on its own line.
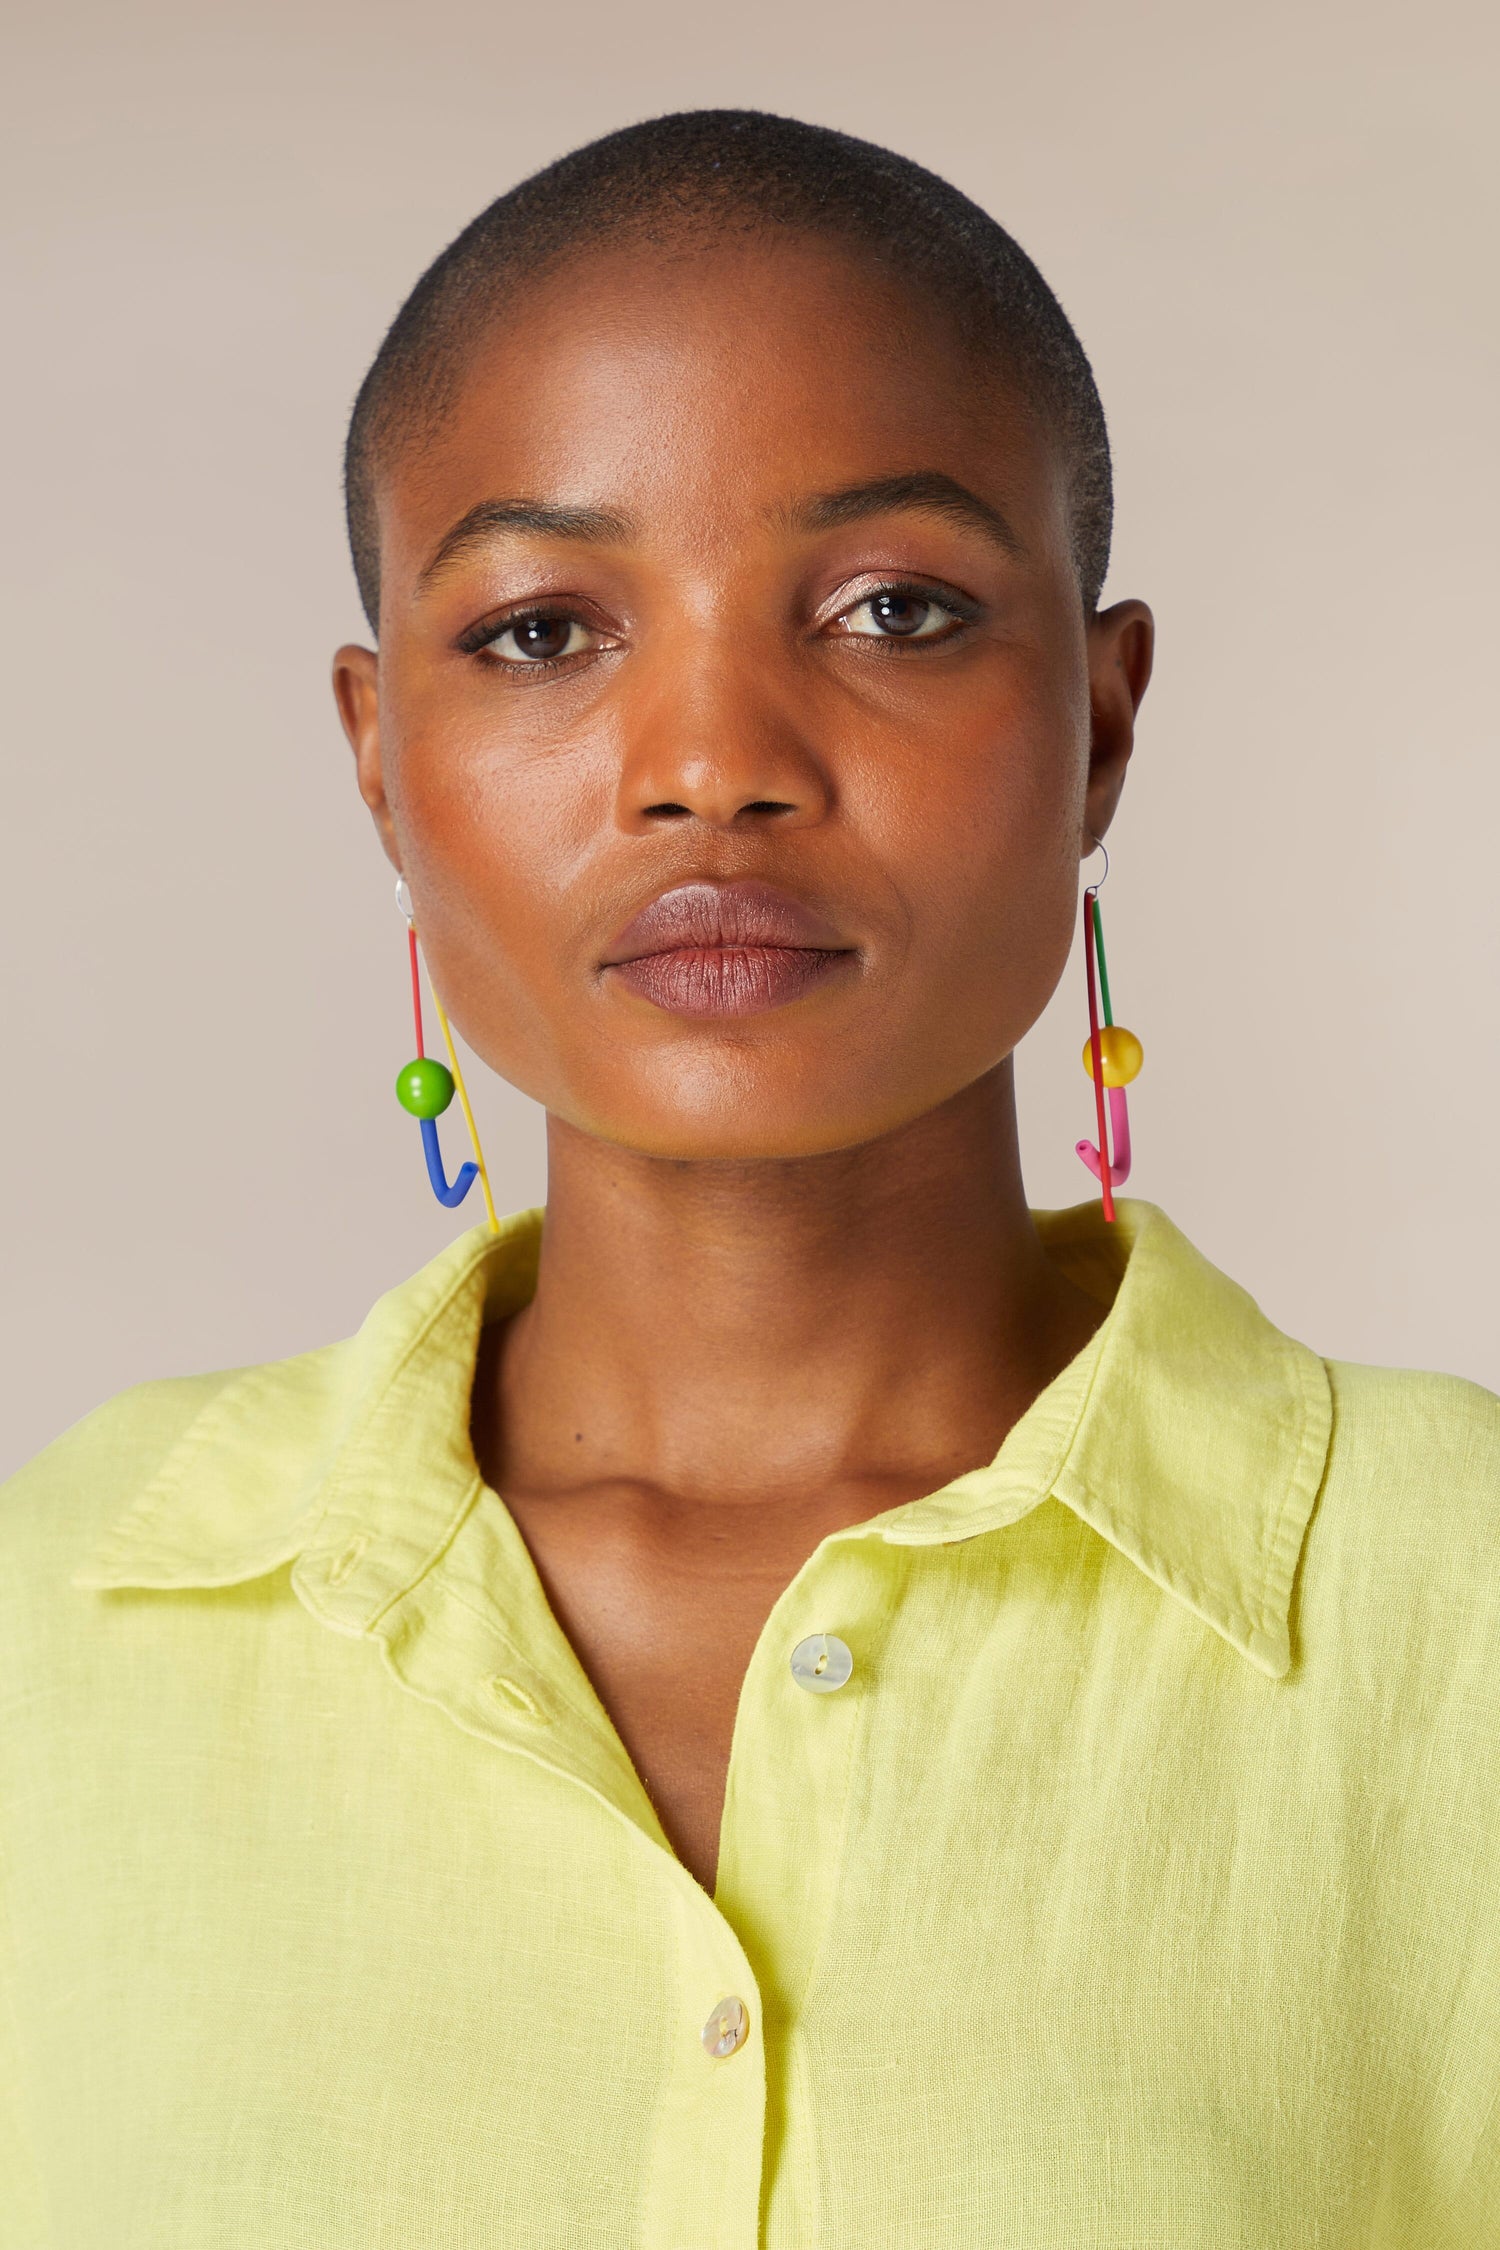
<point x="1103" y="970"/>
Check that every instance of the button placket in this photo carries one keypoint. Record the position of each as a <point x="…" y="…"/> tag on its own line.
<point x="806" y="1700"/>
<point x="705" y="2177"/>
<point x="806" y="1708"/>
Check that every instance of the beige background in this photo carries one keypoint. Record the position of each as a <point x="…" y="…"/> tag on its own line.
<point x="1275" y="230"/>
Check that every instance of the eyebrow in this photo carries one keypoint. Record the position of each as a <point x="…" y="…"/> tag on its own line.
<point x="494" y="519"/>
<point x="925" y="491"/>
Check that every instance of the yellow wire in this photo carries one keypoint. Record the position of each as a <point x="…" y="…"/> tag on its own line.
<point x="463" y="1095"/>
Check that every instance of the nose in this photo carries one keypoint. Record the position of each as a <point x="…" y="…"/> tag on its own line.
<point x="714" y="739"/>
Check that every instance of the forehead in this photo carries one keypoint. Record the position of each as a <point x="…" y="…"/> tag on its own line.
<point x="690" y="386"/>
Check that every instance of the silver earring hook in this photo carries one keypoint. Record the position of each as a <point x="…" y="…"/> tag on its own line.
<point x="1099" y="846"/>
<point x="403" y="900"/>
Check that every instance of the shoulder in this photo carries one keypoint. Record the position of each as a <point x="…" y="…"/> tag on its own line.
<point x="103" y="1460"/>
<point x="55" y="1510"/>
<point x="1403" y="1553"/>
<point x="209" y="1479"/>
<point x="1427" y="1438"/>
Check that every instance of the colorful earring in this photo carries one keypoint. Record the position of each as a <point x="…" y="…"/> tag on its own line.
<point x="1112" y="1056"/>
<point x="424" y="1088"/>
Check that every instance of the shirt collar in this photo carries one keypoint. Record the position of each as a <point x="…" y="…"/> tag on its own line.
<point x="1189" y="1432"/>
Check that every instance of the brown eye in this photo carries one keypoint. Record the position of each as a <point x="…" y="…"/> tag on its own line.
<point x="899" y="613"/>
<point x="539" y="637"/>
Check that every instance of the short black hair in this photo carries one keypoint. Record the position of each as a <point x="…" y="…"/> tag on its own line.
<point x="717" y="171"/>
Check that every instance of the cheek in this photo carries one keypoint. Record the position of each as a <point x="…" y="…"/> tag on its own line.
<point x="984" y="847"/>
<point x="495" y="846"/>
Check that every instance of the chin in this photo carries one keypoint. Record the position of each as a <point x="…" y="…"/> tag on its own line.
<point x="747" y="1124"/>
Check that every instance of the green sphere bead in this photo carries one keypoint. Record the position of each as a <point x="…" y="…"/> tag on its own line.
<point x="424" y="1088"/>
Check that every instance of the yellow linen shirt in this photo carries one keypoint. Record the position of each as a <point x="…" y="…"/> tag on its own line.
<point x="1138" y="1891"/>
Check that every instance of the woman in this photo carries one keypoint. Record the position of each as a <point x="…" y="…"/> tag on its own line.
<point x="957" y="1730"/>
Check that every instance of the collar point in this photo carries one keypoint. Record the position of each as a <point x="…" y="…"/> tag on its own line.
<point x="1269" y="1650"/>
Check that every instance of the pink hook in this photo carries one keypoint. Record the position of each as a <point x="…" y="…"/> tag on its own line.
<point x="1119" y="1133"/>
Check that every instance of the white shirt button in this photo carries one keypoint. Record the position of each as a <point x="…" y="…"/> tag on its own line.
<point x="821" y="1663"/>
<point x="727" y="2028"/>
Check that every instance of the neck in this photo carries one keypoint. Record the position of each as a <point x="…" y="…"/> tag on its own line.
<point x="871" y="1319"/>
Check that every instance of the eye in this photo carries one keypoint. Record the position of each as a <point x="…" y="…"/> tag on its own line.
<point x="537" y="636"/>
<point x="901" y="613"/>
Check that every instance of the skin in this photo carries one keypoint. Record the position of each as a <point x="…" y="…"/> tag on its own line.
<point x="789" y="1278"/>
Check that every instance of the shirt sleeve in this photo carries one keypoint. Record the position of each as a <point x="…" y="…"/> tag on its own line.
<point x="23" y="2216"/>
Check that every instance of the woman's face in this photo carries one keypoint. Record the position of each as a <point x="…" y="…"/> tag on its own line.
<point x="736" y="722"/>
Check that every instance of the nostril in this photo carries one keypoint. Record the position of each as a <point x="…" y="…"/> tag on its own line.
<point x="759" y="808"/>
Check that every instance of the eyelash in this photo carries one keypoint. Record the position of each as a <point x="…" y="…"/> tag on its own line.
<point x="960" y="608"/>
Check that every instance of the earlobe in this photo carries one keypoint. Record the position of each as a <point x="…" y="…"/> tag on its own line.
<point x="356" y="691"/>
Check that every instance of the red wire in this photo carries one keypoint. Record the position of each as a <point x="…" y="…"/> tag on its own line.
<point x="1105" y="1181"/>
<point x="416" y="993"/>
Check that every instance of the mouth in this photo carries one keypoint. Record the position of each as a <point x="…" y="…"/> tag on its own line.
<point x="725" y="949"/>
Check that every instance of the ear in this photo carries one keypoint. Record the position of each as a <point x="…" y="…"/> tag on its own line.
<point x="356" y="691"/>
<point x="1121" y="640"/>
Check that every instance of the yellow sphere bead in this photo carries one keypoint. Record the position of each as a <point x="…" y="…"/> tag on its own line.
<point x="1120" y="1052"/>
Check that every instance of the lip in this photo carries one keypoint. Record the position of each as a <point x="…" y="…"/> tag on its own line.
<point x="725" y="949"/>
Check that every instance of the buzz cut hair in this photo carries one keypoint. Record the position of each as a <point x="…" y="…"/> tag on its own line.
<point x="701" y="174"/>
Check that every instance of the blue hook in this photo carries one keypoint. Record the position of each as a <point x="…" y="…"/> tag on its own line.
<point x="452" y="1195"/>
